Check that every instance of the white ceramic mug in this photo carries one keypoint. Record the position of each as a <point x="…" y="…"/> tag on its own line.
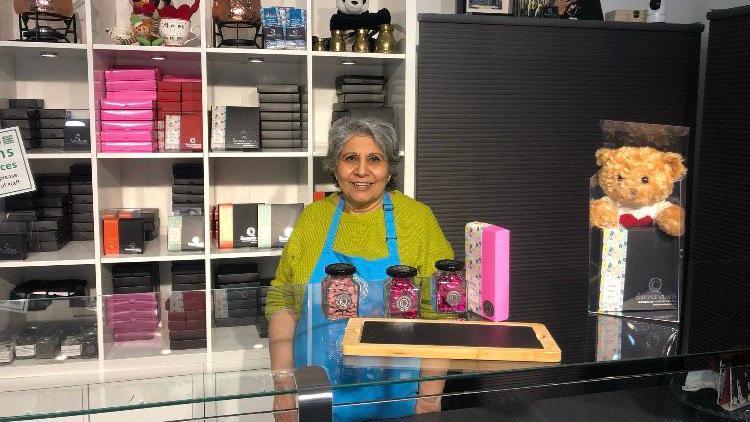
<point x="176" y="32"/>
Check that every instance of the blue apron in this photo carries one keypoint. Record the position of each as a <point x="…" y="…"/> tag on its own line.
<point x="317" y="340"/>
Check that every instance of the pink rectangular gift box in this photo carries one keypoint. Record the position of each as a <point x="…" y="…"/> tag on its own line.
<point x="110" y="104"/>
<point x="133" y="336"/>
<point x="488" y="270"/>
<point x="135" y="325"/>
<point x="129" y="147"/>
<point x="140" y="126"/>
<point x="128" y="136"/>
<point x="149" y="85"/>
<point x="132" y="95"/>
<point x="132" y="74"/>
<point x="131" y="314"/>
<point x="127" y="115"/>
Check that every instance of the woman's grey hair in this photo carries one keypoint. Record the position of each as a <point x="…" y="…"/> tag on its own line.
<point x="382" y="132"/>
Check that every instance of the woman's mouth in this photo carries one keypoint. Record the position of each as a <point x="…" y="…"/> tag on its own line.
<point x="361" y="185"/>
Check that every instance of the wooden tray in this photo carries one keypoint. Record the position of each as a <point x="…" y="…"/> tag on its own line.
<point x="473" y="340"/>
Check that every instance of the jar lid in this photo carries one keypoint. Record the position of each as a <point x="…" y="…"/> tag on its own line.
<point x="401" y="271"/>
<point x="449" y="265"/>
<point x="340" y="269"/>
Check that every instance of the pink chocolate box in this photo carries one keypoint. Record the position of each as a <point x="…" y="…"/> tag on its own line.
<point x="131" y="85"/>
<point x="110" y="104"/>
<point x="132" y="95"/>
<point x="129" y="147"/>
<point x="127" y="115"/>
<point x="127" y="136"/>
<point x="495" y="273"/>
<point x="133" y="336"/>
<point x="140" y="126"/>
<point x="132" y="74"/>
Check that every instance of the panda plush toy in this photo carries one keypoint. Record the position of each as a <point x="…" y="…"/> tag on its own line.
<point x="353" y="14"/>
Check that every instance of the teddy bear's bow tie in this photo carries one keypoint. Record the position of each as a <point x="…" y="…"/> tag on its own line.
<point x="629" y="221"/>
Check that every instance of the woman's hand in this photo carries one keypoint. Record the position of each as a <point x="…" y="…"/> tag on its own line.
<point x="428" y="404"/>
<point x="285" y="408"/>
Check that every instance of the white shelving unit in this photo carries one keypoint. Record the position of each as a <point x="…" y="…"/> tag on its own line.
<point x="144" y="179"/>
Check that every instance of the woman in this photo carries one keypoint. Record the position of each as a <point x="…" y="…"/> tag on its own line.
<point x="371" y="226"/>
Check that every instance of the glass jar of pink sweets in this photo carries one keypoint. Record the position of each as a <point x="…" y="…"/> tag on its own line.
<point x="340" y="292"/>
<point x="448" y="287"/>
<point x="401" y="294"/>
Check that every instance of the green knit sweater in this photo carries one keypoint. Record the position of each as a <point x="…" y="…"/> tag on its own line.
<point x="420" y="241"/>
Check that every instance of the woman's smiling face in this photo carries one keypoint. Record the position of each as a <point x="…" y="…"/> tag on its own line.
<point x="362" y="174"/>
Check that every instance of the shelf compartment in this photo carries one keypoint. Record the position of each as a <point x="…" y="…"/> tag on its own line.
<point x="74" y="253"/>
<point x="155" y="251"/>
<point x="116" y="13"/>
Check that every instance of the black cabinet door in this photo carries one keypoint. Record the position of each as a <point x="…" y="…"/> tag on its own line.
<point x="507" y="125"/>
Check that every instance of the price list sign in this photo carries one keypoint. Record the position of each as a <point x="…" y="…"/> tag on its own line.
<point x="15" y="173"/>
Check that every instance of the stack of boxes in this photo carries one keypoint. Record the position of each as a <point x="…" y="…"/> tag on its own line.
<point x="361" y="96"/>
<point x="23" y="113"/>
<point x="133" y="311"/>
<point x="187" y="190"/>
<point x="52" y="128"/>
<point x="126" y="230"/>
<point x="187" y="306"/>
<point x="128" y="112"/>
<point x="188" y="276"/>
<point x="42" y="221"/>
<point x="53" y="206"/>
<point x="283" y="115"/>
<point x="235" y="295"/>
<point x="82" y="202"/>
<point x="179" y="118"/>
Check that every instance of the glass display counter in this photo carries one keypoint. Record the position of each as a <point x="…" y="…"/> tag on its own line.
<point x="231" y="379"/>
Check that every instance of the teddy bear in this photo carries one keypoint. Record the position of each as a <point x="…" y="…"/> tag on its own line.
<point x="354" y="14"/>
<point x="637" y="182"/>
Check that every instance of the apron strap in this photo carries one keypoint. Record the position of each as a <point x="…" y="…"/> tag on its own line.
<point x="390" y="226"/>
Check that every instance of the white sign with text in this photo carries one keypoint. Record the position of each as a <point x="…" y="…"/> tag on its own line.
<point x="15" y="173"/>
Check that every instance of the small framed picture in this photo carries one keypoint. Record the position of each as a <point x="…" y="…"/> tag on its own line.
<point x="486" y="7"/>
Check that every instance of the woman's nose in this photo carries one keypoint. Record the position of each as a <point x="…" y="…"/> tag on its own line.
<point x="361" y="169"/>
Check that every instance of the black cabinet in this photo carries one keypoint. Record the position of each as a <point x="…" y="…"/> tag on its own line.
<point x="507" y="125"/>
<point x="718" y="294"/>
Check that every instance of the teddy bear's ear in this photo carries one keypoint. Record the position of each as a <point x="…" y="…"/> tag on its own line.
<point x="674" y="162"/>
<point x="603" y="155"/>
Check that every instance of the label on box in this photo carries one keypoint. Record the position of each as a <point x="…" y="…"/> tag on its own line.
<point x="473" y="248"/>
<point x="612" y="276"/>
<point x="28" y="350"/>
<point x="72" y="350"/>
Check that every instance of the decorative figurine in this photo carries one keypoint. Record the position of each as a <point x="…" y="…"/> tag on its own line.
<point x="145" y="22"/>
<point x="353" y="15"/>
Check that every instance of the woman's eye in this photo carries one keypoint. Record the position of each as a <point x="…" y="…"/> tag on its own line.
<point x="644" y="179"/>
<point x="350" y="158"/>
<point x="374" y="159"/>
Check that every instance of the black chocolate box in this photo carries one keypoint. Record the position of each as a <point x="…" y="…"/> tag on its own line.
<point x="13" y="246"/>
<point x="78" y="236"/>
<point x="283" y="219"/>
<point x="651" y="270"/>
